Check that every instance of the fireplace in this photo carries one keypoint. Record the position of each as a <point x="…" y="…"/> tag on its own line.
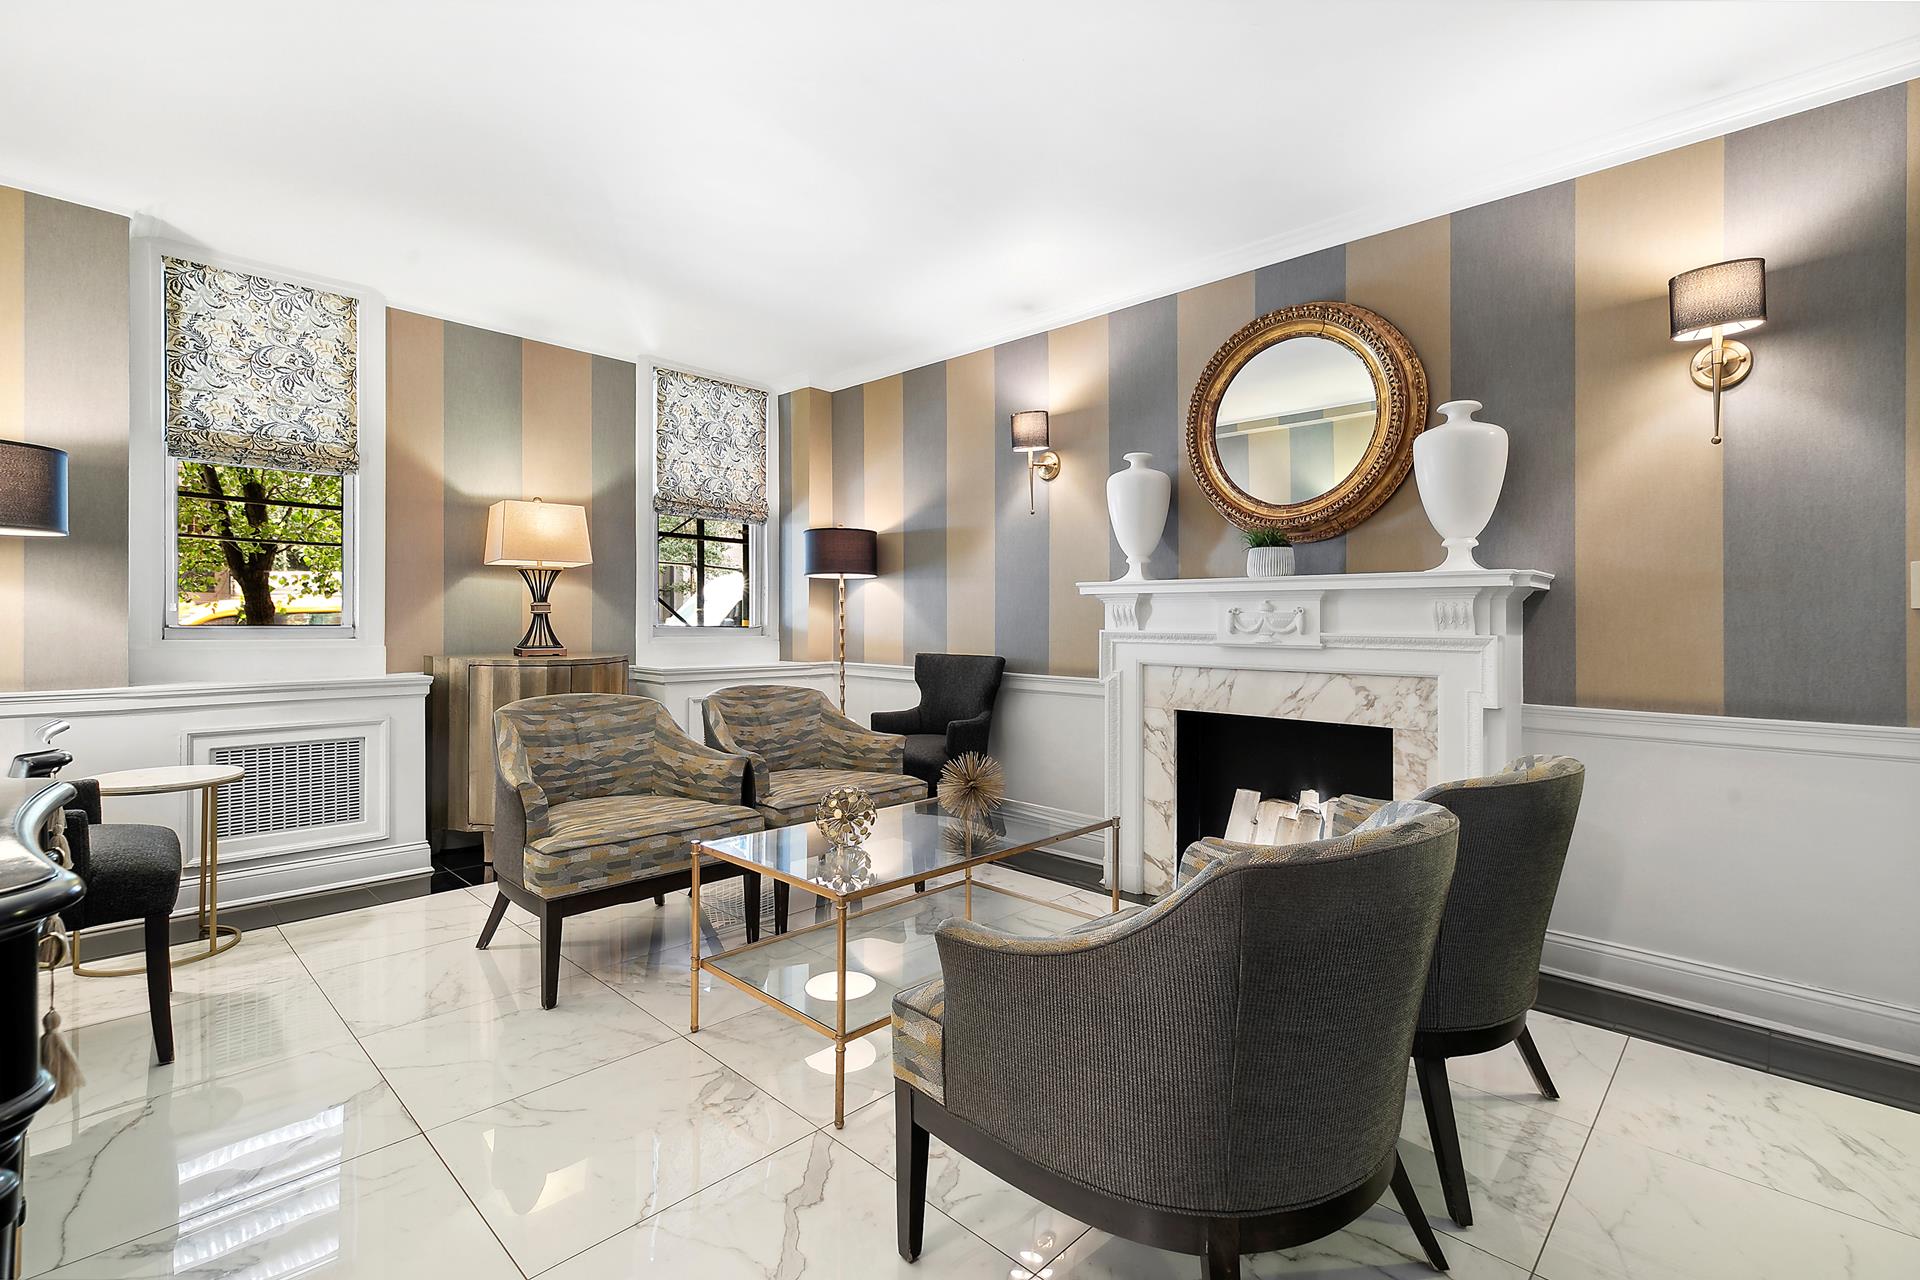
<point x="1217" y="753"/>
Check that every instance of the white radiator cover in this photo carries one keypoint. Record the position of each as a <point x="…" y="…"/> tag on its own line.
<point x="293" y="785"/>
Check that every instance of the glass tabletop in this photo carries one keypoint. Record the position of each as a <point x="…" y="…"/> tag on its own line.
<point x="889" y="947"/>
<point x="909" y="842"/>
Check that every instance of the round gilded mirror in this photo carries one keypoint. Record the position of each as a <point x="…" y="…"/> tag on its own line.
<point x="1304" y="420"/>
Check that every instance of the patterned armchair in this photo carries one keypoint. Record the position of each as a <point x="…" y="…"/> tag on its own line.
<point x="598" y="797"/>
<point x="1515" y="828"/>
<point x="1220" y="1073"/>
<point x="800" y="745"/>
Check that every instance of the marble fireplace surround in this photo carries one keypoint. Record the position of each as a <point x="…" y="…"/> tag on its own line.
<point x="1436" y="658"/>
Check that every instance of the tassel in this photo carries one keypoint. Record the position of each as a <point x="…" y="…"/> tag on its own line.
<point x="56" y="1055"/>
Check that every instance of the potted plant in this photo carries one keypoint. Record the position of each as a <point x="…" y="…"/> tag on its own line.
<point x="1269" y="554"/>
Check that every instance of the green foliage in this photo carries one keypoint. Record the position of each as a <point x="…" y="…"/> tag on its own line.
<point x="236" y="528"/>
<point x="1257" y="538"/>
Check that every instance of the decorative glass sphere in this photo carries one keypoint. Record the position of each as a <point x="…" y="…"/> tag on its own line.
<point x="845" y="816"/>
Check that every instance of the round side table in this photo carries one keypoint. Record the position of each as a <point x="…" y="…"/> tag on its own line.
<point x="207" y="779"/>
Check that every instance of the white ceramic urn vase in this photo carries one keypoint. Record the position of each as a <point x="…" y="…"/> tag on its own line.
<point x="1137" y="501"/>
<point x="1460" y="466"/>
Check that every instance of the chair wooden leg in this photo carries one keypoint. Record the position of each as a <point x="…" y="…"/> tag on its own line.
<point x="1437" y="1097"/>
<point x="550" y="921"/>
<point x="1410" y="1206"/>
<point x="780" y="888"/>
<point x="1537" y="1066"/>
<point x="494" y="917"/>
<point x="910" y="1171"/>
<point x="160" y="986"/>
<point x="1223" y="1250"/>
<point x="750" y="898"/>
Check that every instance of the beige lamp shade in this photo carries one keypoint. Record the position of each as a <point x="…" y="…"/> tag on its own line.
<point x="537" y="535"/>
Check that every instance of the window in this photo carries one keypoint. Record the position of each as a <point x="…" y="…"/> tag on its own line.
<point x="710" y="502"/>
<point x="257" y="548"/>
<point x="706" y="576"/>
<point x="261" y="427"/>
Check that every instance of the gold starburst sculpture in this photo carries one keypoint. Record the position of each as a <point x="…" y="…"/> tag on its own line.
<point x="845" y="816"/>
<point x="972" y="785"/>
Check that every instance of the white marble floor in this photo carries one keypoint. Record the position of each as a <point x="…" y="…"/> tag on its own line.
<point x="366" y="1095"/>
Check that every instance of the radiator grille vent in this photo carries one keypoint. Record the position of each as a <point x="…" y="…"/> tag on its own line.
<point x="291" y="786"/>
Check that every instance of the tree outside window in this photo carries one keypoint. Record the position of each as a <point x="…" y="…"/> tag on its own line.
<point x="258" y="548"/>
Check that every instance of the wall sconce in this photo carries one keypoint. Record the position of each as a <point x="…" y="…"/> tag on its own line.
<point x="1032" y="436"/>
<point x="1711" y="302"/>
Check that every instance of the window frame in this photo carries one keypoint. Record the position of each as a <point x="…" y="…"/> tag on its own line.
<point x="756" y="582"/>
<point x="170" y="625"/>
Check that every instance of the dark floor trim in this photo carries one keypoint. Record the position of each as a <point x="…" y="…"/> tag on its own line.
<point x="1779" y="1053"/>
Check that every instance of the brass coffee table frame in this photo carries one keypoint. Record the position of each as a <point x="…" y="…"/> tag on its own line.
<point x="839" y="1033"/>
<point x="219" y="937"/>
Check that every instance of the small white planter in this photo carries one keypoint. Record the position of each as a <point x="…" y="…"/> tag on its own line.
<point x="1269" y="562"/>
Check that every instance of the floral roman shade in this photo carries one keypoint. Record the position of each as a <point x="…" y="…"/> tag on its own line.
<point x="260" y="372"/>
<point x="710" y="442"/>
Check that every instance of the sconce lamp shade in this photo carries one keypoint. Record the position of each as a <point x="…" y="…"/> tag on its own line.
<point x="537" y="535"/>
<point x="33" y="490"/>
<point x="841" y="553"/>
<point x="1728" y="296"/>
<point x="1031" y="431"/>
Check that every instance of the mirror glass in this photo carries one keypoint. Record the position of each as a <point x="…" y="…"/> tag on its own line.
<point x="1296" y="419"/>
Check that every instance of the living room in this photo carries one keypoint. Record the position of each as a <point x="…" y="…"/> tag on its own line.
<point x="963" y="657"/>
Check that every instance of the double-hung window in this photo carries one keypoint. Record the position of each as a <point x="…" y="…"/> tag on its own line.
<point x="710" y="503"/>
<point x="262" y="439"/>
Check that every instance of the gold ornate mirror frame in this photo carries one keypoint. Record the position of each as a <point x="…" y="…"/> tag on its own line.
<point x="1400" y="397"/>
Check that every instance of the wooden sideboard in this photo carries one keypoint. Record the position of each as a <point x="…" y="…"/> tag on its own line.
<point x="460" y="707"/>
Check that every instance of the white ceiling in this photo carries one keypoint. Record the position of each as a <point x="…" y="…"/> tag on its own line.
<point x="819" y="192"/>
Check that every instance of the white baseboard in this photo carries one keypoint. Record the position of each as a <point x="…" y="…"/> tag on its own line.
<point x="325" y="869"/>
<point x="1088" y="848"/>
<point x="1854" y="1022"/>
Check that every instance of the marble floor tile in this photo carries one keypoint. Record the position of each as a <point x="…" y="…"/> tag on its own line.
<point x="1518" y="1161"/>
<point x="1380" y="1244"/>
<point x="794" y="1063"/>
<point x="215" y="1035"/>
<point x="378" y="995"/>
<point x="262" y="958"/>
<point x="565" y="1167"/>
<point x="395" y="1212"/>
<point x="106" y="1179"/>
<point x="1020" y="882"/>
<point x="1637" y="1214"/>
<point x="1010" y="1220"/>
<point x="1860" y="1157"/>
<point x="657" y="979"/>
<point x="814" y="1210"/>
<point x="330" y="942"/>
<point x="1581" y="1060"/>
<point x="468" y="1059"/>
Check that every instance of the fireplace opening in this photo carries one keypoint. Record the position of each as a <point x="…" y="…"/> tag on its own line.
<point x="1217" y="754"/>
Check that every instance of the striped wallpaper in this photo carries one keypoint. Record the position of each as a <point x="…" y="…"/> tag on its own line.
<point x="1764" y="578"/>
<point x="64" y="382"/>
<point x="473" y="417"/>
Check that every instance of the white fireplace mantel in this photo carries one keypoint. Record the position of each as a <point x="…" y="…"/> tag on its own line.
<point x="1436" y="657"/>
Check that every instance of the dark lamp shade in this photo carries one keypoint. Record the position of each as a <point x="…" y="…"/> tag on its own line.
<point x="841" y="553"/>
<point x="1031" y="431"/>
<point x="33" y="491"/>
<point x="1728" y="296"/>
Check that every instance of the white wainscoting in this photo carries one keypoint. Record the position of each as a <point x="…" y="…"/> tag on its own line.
<point x="1766" y="870"/>
<point x="148" y="725"/>
<point x="1763" y="870"/>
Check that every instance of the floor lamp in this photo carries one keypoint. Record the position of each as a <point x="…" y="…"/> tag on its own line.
<point x="841" y="554"/>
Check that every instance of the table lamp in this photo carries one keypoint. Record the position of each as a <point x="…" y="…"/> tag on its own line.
<point x="539" y="539"/>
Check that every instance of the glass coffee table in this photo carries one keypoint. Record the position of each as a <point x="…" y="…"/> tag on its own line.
<point x="839" y="976"/>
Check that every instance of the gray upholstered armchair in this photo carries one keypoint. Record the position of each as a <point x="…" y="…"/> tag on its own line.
<point x="800" y="745"/>
<point x="1222" y="1072"/>
<point x="597" y="801"/>
<point x="1515" y="827"/>
<point x="955" y="715"/>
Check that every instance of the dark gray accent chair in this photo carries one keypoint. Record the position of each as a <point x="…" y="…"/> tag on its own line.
<point x="132" y="872"/>
<point x="1221" y="1073"/>
<point x="955" y="715"/>
<point x="1515" y="827"/>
